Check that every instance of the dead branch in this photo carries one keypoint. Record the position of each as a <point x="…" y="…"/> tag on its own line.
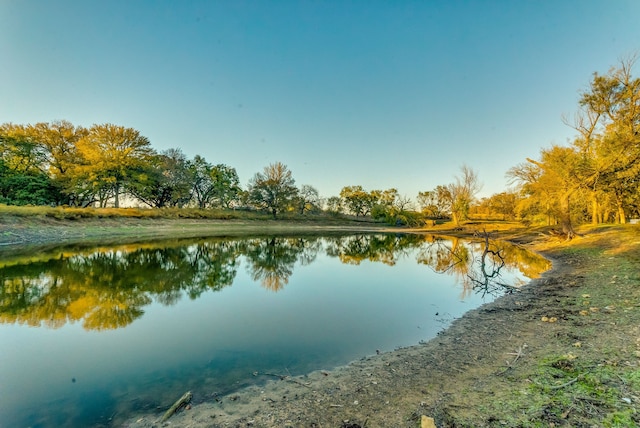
<point x="572" y="381"/>
<point x="519" y="353"/>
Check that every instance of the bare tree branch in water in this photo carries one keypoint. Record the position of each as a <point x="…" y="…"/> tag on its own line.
<point x="491" y="262"/>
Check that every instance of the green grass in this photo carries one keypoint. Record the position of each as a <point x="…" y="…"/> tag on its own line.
<point x="564" y="388"/>
<point x="73" y="213"/>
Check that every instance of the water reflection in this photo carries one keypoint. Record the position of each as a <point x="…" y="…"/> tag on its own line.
<point x="297" y="304"/>
<point x="108" y="288"/>
<point x="271" y="260"/>
<point x="479" y="265"/>
<point x="375" y="248"/>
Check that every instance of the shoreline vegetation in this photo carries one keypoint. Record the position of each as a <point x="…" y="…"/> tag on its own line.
<point x="564" y="351"/>
<point x="26" y="226"/>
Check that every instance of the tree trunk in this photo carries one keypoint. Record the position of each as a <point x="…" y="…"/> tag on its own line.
<point x="594" y="209"/>
<point x="565" y="212"/>
<point x="622" y="219"/>
<point x="455" y="217"/>
<point x="116" y="203"/>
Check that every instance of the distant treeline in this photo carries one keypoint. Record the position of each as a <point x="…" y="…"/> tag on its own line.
<point x="595" y="178"/>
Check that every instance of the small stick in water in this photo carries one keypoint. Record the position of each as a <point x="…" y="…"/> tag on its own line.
<point x="183" y="401"/>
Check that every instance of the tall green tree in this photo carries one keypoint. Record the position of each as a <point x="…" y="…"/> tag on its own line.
<point x="214" y="185"/>
<point x="273" y="189"/>
<point x="27" y="188"/>
<point x="225" y="185"/>
<point x="165" y="180"/>
<point x="358" y="201"/>
<point x="203" y="187"/>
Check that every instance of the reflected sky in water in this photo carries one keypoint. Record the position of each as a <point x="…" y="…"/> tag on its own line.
<point x="89" y="333"/>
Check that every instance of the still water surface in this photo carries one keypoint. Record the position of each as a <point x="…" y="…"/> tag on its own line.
<point x="90" y="335"/>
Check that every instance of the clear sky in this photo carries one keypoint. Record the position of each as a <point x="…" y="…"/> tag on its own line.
<point x="377" y="93"/>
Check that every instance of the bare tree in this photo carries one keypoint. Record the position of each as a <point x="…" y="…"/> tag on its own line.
<point x="403" y="203"/>
<point x="308" y="199"/>
<point x="463" y="193"/>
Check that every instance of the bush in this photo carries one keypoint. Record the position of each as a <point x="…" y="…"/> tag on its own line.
<point x="26" y="189"/>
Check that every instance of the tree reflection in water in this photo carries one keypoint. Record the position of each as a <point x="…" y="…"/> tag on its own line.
<point x="479" y="265"/>
<point x="486" y="279"/>
<point x="271" y="261"/>
<point x="108" y="288"/>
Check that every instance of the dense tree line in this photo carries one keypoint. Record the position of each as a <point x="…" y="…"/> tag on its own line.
<point x="62" y="164"/>
<point x="596" y="177"/>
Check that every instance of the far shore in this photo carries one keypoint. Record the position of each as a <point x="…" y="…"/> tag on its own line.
<point x="28" y="231"/>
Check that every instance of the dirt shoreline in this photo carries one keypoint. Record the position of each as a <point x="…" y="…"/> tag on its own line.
<point x="27" y="232"/>
<point x="503" y="364"/>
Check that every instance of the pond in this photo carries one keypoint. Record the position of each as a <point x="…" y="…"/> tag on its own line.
<point x="90" y="335"/>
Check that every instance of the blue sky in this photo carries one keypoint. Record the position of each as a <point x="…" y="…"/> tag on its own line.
<point x="377" y="93"/>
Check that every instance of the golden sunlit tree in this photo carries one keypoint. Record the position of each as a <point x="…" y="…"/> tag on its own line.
<point x="60" y="139"/>
<point x="20" y="149"/>
<point x="110" y="154"/>
<point x="558" y="179"/>
<point x="435" y="203"/>
<point x="602" y="164"/>
<point x="609" y="136"/>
